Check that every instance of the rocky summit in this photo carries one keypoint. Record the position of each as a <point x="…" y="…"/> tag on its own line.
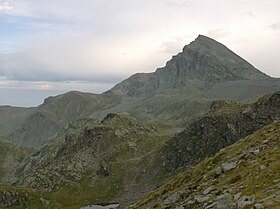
<point x="200" y="132"/>
<point x="202" y="64"/>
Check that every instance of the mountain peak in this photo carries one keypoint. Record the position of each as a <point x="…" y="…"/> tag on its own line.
<point x="204" y="38"/>
<point x="212" y="58"/>
<point x="207" y="45"/>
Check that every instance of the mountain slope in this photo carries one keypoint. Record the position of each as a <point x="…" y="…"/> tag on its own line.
<point x="243" y="175"/>
<point x="36" y="126"/>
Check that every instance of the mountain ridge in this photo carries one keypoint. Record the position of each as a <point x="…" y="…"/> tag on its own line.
<point x="173" y="95"/>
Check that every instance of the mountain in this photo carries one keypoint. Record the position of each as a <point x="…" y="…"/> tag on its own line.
<point x="173" y="95"/>
<point x="203" y="63"/>
<point x="120" y="145"/>
<point x="243" y="175"/>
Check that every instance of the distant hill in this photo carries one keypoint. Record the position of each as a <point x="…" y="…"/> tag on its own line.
<point x="173" y="95"/>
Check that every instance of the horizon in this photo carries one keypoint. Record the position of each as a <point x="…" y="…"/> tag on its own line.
<point x="47" y="49"/>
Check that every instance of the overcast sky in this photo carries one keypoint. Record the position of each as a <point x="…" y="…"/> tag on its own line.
<point x="49" y="47"/>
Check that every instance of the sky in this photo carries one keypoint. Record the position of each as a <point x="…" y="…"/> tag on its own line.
<point x="49" y="47"/>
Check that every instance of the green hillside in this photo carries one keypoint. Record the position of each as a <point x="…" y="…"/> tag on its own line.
<point x="243" y="175"/>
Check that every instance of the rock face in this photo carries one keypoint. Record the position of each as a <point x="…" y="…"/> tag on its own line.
<point x="241" y="184"/>
<point x="218" y="129"/>
<point x="176" y="93"/>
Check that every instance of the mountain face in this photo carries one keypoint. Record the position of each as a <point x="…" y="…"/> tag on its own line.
<point x="227" y="122"/>
<point x="173" y="95"/>
<point x="243" y="175"/>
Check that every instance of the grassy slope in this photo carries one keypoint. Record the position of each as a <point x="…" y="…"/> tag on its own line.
<point x="256" y="181"/>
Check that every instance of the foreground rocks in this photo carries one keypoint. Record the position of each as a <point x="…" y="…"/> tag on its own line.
<point x="10" y="198"/>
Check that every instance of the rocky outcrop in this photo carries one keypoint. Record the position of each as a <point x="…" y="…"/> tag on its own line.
<point x="225" y="124"/>
<point x="90" y="156"/>
<point x="12" y="198"/>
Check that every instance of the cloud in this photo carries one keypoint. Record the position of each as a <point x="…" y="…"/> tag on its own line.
<point x="45" y="86"/>
<point x="178" y="3"/>
<point x="82" y="58"/>
<point x="275" y="26"/>
<point x="3" y="78"/>
<point x="217" y="33"/>
<point x="250" y="14"/>
<point x="5" y="7"/>
<point x="175" y="45"/>
<point x="106" y="41"/>
<point x="56" y="86"/>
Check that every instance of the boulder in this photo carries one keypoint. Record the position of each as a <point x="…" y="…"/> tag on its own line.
<point x="223" y="201"/>
<point x="228" y="166"/>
